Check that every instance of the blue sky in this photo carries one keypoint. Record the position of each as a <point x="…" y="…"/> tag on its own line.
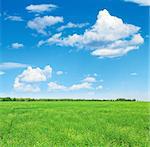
<point x="61" y="49"/>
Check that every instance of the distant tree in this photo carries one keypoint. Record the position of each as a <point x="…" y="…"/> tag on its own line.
<point x="124" y="99"/>
<point x="6" y="99"/>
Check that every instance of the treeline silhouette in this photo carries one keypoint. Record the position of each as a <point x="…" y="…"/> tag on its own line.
<point x="33" y="99"/>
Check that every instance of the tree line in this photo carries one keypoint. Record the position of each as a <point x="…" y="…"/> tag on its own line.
<point x="34" y="99"/>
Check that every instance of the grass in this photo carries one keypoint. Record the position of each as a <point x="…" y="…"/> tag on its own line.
<point x="43" y="124"/>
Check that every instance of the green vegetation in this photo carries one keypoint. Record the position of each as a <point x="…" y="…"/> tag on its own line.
<point x="74" y="123"/>
<point x="43" y="99"/>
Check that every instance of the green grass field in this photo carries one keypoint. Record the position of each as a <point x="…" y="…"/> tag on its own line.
<point x="74" y="123"/>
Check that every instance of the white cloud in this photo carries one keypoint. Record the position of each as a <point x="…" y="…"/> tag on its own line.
<point x="99" y="87"/>
<point x="52" y="86"/>
<point x="2" y="73"/>
<point x="41" y="8"/>
<point x="119" y="47"/>
<point x="72" y="25"/>
<point x="59" y="72"/>
<point x="140" y="2"/>
<point x="35" y="74"/>
<point x="17" y="45"/>
<point x="28" y="79"/>
<point x="90" y="79"/>
<point x="133" y="74"/>
<point x="108" y="37"/>
<point x="14" y="18"/>
<point x="85" y="84"/>
<point x="40" y="43"/>
<point x="12" y="65"/>
<point x="80" y="86"/>
<point x="25" y="87"/>
<point x="41" y="23"/>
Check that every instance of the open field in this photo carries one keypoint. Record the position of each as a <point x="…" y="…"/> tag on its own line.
<point x="77" y="123"/>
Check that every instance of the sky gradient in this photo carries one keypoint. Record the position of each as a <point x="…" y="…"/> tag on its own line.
<point x="96" y="49"/>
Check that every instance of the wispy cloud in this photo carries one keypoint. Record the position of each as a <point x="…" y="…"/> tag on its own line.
<point x="41" y="23"/>
<point x="41" y="8"/>
<point x="11" y="65"/>
<point x="14" y="18"/>
<point x="72" y="25"/>
<point x="140" y="2"/>
<point x="85" y="84"/>
<point x="53" y="86"/>
<point x="89" y="79"/>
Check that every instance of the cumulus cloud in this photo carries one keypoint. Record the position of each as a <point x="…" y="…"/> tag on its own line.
<point x="17" y="45"/>
<point x="41" y="8"/>
<point x="72" y="25"/>
<point x="35" y="74"/>
<point x="41" y="23"/>
<point x="108" y="37"/>
<point x="59" y="72"/>
<point x="12" y="65"/>
<point x="140" y="2"/>
<point x="89" y="79"/>
<point x="14" y="18"/>
<point x="25" y="87"/>
<point x="27" y="80"/>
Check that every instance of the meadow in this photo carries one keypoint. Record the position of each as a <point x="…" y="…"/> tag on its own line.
<point x="74" y="123"/>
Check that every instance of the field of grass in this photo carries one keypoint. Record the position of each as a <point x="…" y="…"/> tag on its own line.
<point x="77" y="123"/>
